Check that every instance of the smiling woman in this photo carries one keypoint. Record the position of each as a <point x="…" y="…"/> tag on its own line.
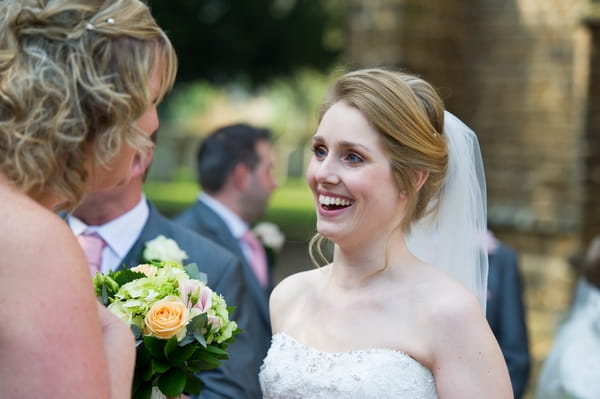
<point x="381" y="155"/>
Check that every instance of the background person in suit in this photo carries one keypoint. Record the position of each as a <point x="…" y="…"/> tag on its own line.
<point x="505" y="312"/>
<point x="235" y="165"/>
<point x="126" y="221"/>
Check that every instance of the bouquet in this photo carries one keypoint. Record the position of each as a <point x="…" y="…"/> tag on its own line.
<point x="181" y="326"/>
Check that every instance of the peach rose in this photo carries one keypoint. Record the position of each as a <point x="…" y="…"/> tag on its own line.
<point x="148" y="270"/>
<point x="166" y="318"/>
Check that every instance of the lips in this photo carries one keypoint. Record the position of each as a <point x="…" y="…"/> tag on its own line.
<point x="328" y="202"/>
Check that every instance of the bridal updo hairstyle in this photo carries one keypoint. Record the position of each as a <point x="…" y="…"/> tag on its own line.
<point x="74" y="76"/>
<point x="408" y="114"/>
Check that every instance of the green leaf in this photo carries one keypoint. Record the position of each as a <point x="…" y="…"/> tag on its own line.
<point x="216" y="350"/>
<point x="125" y="275"/>
<point x="104" y="295"/>
<point x="155" y="346"/>
<point x="172" y="382"/>
<point x="200" y="338"/>
<point x="143" y="392"/>
<point x="199" y="322"/>
<point x="159" y="367"/>
<point x="143" y="369"/>
<point x="208" y="363"/>
<point x="137" y="333"/>
<point x="178" y="357"/>
<point x="193" y="271"/>
<point x="193" y="384"/>
<point x="188" y="339"/>
<point x="170" y="346"/>
<point x="196" y="325"/>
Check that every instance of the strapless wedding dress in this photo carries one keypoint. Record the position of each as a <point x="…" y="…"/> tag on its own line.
<point x="292" y="370"/>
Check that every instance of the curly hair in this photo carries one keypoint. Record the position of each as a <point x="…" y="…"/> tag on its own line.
<point x="74" y="75"/>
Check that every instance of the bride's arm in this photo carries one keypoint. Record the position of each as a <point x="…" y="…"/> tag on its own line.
<point x="467" y="361"/>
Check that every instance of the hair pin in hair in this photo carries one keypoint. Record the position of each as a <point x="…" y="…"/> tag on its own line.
<point x="110" y="21"/>
<point x="89" y="26"/>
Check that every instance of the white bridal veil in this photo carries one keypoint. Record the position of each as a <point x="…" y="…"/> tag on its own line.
<point x="454" y="238"/>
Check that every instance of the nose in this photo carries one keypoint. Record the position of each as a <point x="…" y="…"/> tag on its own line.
<point x="326" y="171"/>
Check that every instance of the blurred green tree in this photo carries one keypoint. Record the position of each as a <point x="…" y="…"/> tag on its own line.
<point x="252" y="40"/>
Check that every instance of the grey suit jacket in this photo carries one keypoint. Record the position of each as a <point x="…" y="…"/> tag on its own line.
<point x="237" y="377"/>
<point x="205" y="221"/>
<point x="506" y="315"/>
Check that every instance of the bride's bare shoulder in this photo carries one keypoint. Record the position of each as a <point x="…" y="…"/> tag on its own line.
<point x="292" y="291"/>
<point x="296" y="283"/>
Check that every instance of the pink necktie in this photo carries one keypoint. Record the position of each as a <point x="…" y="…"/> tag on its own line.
<point x="92" y="245"/>
<point x="258" y="259"/>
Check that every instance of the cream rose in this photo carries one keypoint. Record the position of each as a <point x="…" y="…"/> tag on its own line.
<point x="166" y="318"/>
<point x="148" y="270"/>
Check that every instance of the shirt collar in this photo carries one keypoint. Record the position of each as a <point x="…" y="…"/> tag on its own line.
<point x="235" y="224"/>
<point x="120" y="233"/>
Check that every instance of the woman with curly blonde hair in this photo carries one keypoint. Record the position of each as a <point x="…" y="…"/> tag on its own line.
<point x="79" y="84"/>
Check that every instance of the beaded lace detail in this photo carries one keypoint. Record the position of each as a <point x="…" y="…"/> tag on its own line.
<point x="292" y="370"/>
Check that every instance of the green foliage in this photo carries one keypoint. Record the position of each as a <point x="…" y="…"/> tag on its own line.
<point x="192" y="270"/>
<point x="219" y="40"/>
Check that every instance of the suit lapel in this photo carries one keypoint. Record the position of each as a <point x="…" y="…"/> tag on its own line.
<point x="216" y="227"/>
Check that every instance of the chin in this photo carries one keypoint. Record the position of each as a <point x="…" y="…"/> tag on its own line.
<point x="330" y="232"/>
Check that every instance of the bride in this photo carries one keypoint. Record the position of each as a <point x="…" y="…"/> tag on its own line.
<point x="396" y="313"/>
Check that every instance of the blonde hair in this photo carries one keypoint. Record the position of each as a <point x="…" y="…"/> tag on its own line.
<point x="408" y="114"/>
<point x="74" y="74"/>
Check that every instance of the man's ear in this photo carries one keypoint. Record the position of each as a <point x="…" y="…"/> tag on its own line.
<point x="240" y="176"/>
<point x="141" y="164"/>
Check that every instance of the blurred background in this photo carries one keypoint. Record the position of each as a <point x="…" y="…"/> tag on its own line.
<point x="524" y="74"/>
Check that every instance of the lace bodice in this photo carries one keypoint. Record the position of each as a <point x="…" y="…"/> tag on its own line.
<point x="292" y="370"/>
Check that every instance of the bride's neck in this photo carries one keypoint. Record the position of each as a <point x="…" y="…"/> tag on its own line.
<point x="355" y="266"/>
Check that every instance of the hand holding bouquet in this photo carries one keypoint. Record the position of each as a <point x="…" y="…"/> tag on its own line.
<point x="181" y="325"/>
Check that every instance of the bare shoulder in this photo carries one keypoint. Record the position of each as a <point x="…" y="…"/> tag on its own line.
<point x="452" y="304"/>
<point x="461" y="344"/>
<point x="291" y="293"/>
<point x="38" y="239"/>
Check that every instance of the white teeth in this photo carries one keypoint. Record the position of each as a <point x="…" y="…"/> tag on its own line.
<point x="325" y="200"/>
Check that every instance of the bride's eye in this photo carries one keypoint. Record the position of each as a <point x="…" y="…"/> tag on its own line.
<point x="353" y="158"/>
<point x="319" y="151"/>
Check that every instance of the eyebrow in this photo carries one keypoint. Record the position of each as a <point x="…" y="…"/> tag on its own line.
<point x="343" y="144"/>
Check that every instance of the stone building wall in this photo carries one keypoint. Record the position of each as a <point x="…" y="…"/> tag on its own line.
<point x="592" y="130"/>
<point x="517" y="71"/>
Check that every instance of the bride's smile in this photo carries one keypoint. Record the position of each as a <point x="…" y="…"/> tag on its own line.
<point x="350" y="176"/>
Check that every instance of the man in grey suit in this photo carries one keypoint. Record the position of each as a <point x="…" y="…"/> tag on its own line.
<point x="506" y="314"/>
<point x="234" y="167"/>
<point x="126" y="221"/>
